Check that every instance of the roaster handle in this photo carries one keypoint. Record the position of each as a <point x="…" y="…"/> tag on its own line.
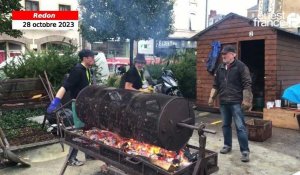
<point x="202" y="127"/>
<point x="132" y="161"/>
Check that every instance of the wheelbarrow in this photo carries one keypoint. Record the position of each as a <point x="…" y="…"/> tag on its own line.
<point x="4" y="145"/>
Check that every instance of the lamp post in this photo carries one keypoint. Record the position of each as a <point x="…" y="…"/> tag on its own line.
<point x="205" y="13"/>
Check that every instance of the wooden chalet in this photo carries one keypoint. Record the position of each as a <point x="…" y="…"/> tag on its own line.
<point x="272" y="55"/>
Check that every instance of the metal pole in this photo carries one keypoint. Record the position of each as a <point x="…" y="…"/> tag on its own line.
<point x="202" y="127"/>
<point x="205" y="13"/>
<point x="131" y="41"/>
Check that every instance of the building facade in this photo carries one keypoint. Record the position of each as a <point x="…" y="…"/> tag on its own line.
<point x="40" y="39"/>
<point x="187" y="23"/>
<point x="253" y="11"/>
<point x="214" y="17"/>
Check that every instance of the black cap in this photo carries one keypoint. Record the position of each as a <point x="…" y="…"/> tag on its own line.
<point x="140" y="58"/>
<point x="228" y="48"/>
<point x="86" y="53"/>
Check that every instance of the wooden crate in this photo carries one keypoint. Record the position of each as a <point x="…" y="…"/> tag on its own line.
<point x="283" y="118"/>
<point x="259" y="130"/>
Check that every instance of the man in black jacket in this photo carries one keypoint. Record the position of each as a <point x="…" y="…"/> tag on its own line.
<point x="134" y="78"/>
<point x="233" y="85"/>
<point x="80" y="77"/>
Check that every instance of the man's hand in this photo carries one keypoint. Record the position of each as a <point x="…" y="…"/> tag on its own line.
<point x="246" y="106"/>
<point x="211" y="102"/>
<point x="247" y="100"/>
<point x="54" y="105"/>
<point x="212" y="96"/>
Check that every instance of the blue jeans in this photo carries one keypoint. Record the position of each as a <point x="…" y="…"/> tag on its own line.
<point x="73" y="154"/>
<point x="229" y="111"/>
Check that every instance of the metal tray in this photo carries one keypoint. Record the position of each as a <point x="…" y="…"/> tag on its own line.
<point x="133" y="165"/>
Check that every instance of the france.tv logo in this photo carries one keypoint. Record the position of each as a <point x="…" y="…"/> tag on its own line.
<point x="292" y="20"/>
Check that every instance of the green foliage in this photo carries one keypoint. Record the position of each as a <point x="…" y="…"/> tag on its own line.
<point x="183" y="66"/>
<point x="55" y="63"/>
<point x="6" y="7"/>
<point x="185" y="72"/>
<point x="12" y="121"/>
<point x="126" y="19"/>
<point x="155" y="70"/>
<point x="113" y="81"/>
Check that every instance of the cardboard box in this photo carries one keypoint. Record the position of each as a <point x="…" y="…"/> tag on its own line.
<point x="283" y="118"/>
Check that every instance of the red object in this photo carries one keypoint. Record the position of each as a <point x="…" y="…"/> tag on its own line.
<point x="125" y="60"/>
<point x="2" y="56"/>
<point x="14" y="54"/>
<point x="45" y="15"/>
<point x="118" y="60"/>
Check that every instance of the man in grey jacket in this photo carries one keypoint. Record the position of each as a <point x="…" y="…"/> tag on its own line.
<point x="233" y="85"/>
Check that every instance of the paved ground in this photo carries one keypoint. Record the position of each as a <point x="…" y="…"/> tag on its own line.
<point x="279" y="155"/>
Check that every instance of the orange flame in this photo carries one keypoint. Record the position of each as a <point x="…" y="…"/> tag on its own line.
<point x="135" y="147"/>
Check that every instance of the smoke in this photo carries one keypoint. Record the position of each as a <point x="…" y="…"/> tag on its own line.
<point x="127" y="19"/>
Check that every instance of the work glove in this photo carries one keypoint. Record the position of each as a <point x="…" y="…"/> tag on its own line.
<point x="247" y="100"/>
<point x="54" y="105"/>
<point x="212" y="97"/>
<point x="145" y="86"/>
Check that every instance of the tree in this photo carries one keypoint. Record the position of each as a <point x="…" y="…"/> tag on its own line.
<point x="126" y="19"/>
<point x="6" y="7"/>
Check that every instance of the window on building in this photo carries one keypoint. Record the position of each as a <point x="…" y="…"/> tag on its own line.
<point x="2" y="46"/>
<point x="64" y="7"/>
<point x="31" y="5"/>
<point x="14" y="49"/>
<point x="192" y="21"/>
<point x="193" y="8"/>
<point x="265" y="6"/>
<point x="2" y="52"/>
<point x="13" y="46"/>
<point x="60" y="46"/>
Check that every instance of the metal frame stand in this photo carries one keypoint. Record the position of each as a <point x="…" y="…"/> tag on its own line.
<point x="59" y="130"/>
<point x="62" y="171"/>
<point x="201" y="165"/>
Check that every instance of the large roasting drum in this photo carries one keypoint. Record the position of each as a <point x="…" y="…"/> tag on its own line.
<point x="150" y="118"/>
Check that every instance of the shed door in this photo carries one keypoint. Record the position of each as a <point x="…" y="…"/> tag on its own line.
<point x="252" y="53"/>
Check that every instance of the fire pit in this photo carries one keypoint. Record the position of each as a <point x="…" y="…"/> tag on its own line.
<point x="140" y="133"/>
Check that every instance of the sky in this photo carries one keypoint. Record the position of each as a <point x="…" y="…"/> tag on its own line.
<point x="226" y="6"/>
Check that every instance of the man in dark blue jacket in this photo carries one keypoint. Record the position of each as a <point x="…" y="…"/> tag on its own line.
<point x="233" y="85"/>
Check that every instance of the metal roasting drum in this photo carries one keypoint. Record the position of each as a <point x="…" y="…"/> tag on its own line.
<point x="150" y="118"/>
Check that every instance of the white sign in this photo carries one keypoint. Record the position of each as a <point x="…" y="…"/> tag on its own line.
<point x="45" y="25"/>
<point x="45" y="20"/>
<point x="146" y="47"/>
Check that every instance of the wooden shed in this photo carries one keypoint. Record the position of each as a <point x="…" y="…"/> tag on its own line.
<point x="272" y="55"/>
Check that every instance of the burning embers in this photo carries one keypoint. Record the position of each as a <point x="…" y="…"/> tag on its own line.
<point x="168" y="160"/>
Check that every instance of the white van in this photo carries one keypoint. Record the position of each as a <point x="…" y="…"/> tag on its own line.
<point x="101" y="68"/>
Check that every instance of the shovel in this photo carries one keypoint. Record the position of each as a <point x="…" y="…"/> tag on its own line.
<point x="8" y="154"/>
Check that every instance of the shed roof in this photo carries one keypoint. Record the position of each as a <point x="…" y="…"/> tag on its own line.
<point x="231" y="15"/>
